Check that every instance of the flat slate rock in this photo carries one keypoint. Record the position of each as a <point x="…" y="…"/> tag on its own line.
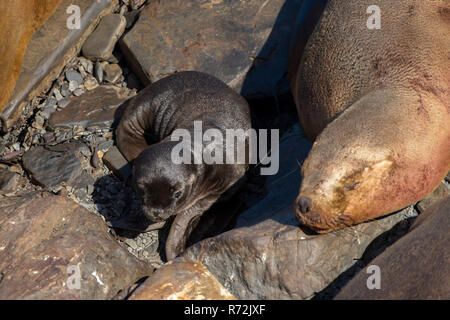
<point x="414" y="267"/>
<point x="439" y="193"/>
<point x="245" y="44"/>
<point x="268" y="255"/>
<point x="94" y="109"/>
<point x="52" y="248"/>
<point x="50" y="48"/>
<point x="50" y="168"/>
<point x="100" y="44"/>
<point x="116" y="162"/>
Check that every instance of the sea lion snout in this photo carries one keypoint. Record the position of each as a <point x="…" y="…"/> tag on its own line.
<point x="304" y="204"/>
<point x="311" y="214"/>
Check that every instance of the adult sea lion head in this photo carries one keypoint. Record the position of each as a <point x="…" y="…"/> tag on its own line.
<point x="163" y="187"/>
<point x="338" y="191"/>
<point x="367" y="163"/>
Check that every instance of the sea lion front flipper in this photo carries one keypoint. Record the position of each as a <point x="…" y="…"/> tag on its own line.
<point x="180" y="230"/>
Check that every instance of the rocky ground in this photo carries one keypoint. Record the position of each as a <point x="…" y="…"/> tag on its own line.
<point x="63" y="143"/>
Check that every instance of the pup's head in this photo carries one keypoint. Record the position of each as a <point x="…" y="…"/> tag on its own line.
<point x="163" y="187"/>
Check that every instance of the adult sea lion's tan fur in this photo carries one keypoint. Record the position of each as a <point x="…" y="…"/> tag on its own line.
<point x="380" y="101"/>
<point x="20" y="19"/>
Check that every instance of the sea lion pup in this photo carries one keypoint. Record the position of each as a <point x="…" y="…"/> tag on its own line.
<point x="186" y="190"/>
<point x="377" y="104"/>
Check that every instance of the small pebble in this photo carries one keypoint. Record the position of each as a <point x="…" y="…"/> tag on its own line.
<point x="16" y="146"/>
<point x="72" y="75"/>
<point x="51" y="102"/>
<point x="65" y="89"/>
<point x="57" y="94"/>
<point x="90" y="83"/>
<point x="73" y="85"/>
<point x="98" y="72"/>
<point x="78" y="92"/>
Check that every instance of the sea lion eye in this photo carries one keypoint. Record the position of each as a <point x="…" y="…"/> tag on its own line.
<point x="177" y="194"/>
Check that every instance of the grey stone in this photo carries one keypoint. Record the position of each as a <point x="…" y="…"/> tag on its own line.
<point x="65" y="89"/>
<point x="50" y="168"/>
<point x="243" y="43"/>
<point x="95" y="108"/>
<point x="100" y="44"/>
<point x="99" y="72"/>
<point x="73" y="85"/>
<point x="57" y="94"/>
<point x="72" y="75"/>
<point x="51" y="102"/>
<point x="117" y="163"/>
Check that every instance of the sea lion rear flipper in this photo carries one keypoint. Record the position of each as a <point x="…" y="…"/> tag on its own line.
<point x="180" y="230"/>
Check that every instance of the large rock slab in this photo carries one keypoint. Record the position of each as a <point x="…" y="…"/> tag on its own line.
<point x="94" y="109"/>
<point x="51" y="248"/>
<point x="414" y="267"/>
<point x="268" y="255"/>
<point x="244" y="43"/>
<point x="50" y="48"/>
<point x="52" y="167"/>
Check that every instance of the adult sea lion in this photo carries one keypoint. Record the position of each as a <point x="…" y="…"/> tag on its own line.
<point x="20" y="19"/>
<point x="377" y="104"/>
<point x="414" y="267"/>
<point x="164" y="187"/>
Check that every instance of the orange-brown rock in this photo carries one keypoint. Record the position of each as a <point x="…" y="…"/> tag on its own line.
<point x="182" y="279"/>
<point x="19" y="20"/>
<point x="51" y="248"/>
